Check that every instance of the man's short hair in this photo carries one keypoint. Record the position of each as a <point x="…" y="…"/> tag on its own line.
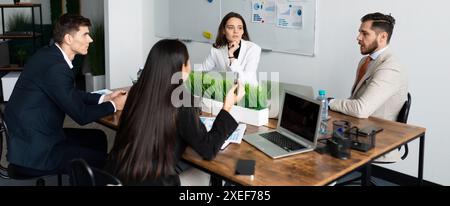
<point x="382" y="22"/>
<point x="67" y="24"/>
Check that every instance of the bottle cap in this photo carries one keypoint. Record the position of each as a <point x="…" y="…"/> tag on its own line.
<point x="322" y="92"/>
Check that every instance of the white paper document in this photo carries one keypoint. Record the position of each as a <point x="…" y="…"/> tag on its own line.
<point x="263" y="11"/>
<point x="102" y="92"/>
<point x="290" y="15"/>
<point x="235" y="137"/>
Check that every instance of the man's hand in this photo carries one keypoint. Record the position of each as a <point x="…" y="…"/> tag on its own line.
<point x="113" y="95"/>
<point x="119" y="100"/>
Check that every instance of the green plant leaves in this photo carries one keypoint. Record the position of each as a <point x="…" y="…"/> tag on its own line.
<point x="96" y="53"/>
<point x="214" y="86"/>
<point x="19" y="22"/>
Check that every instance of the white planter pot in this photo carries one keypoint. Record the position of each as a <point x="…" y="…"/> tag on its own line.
<point x="241" y="114"/>
<point x="211" y="106"/>
<point x="94" y="83"/>
<point x="250" y="116"/>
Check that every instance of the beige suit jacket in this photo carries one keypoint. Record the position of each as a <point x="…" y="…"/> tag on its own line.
<point x="381" y="93"/>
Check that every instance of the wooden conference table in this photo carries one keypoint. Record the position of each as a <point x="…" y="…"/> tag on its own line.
<point x="310" y="168"/>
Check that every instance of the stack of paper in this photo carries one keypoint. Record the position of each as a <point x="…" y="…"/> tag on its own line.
<point x="235" y="137"/>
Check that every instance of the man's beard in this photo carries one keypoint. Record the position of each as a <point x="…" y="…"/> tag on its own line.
<point x="371" y="48"/>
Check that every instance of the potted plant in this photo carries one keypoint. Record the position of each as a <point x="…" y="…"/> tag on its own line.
<point x="21" y="55"/>
<point x="73" y="6"/>
<point x="212" y="88"/>
<point x="56" y="10"/>
<point x="20" y="49"/>
<point x="95" y="80"/>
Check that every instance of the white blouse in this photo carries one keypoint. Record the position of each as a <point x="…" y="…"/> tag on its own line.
<point x="246" y="64"/>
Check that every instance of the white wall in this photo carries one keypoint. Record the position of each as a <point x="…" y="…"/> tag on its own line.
<point x="420" y="40"/>
<point x="149" y="30"/>
<point x="125" y="24"/>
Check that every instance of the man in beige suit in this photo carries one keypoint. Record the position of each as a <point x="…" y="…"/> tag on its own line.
<point x="381" y="86"/>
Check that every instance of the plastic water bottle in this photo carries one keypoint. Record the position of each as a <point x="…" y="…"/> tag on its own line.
<point x="324" y="113"/>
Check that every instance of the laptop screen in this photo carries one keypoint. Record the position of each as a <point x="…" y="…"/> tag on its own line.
<point x="300" y="116"/>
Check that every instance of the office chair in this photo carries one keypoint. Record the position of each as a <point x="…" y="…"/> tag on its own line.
<point x="81" y="174"/>
<point x="13" y="171"/>
<point x="403" y="118"/>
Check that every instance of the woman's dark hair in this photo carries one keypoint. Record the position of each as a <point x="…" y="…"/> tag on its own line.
<point x="67" y="24"/>
<point x="144" y="146"/>
<point x="221" y="39"/>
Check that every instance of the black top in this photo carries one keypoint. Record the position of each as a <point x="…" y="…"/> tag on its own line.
<point x="43" y="95"/>
<point x="192" y="132"/>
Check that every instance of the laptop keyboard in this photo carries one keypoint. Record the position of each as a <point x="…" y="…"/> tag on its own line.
<point x="282" y="141"/>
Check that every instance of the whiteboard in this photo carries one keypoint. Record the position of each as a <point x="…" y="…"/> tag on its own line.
<point x="190" y="19"/>
<point x="187" y="19"/>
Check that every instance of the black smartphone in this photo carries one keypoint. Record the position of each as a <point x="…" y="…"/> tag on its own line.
<point x="235" y="81"/>
<point x="236" y="77"/>
<point x="245" y="167"/>
<point x="369" y="130"/>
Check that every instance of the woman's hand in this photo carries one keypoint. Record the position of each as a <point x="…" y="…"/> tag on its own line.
<point x="233" y="97"/>
<point x="232" y="47"/>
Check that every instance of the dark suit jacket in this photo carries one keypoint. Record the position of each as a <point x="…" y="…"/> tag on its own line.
<point x="43" y="95"/>
<point x="192" y="132"/>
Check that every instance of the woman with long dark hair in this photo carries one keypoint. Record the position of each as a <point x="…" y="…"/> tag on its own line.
<point x="233" y="50"/>
<point x="153" y="133"/>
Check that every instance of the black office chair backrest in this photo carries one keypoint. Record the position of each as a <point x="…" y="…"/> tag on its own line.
<point x="81" y="174"/>
<point x="3" y="133"/>
<point x="403" y="118"/>
<point x="404" y="112"/>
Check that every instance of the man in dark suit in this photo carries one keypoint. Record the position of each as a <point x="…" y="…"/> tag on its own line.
<point x="43" y="95"/>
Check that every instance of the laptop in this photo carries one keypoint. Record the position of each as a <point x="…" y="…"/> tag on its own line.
<point x="278" y="87"/>
<point x="297" y="129"/>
